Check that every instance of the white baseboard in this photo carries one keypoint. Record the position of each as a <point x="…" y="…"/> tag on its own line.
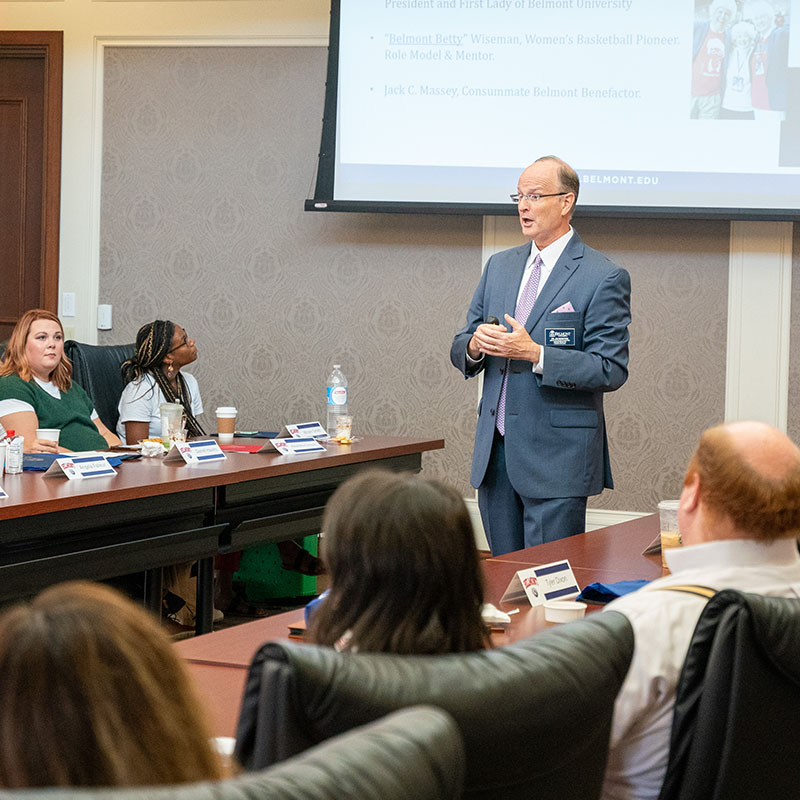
<point x="601" y="517"/>
<point x="595" y="518"/>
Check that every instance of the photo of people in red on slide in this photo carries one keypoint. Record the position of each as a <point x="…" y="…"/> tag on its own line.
<point x="740" y="60"/>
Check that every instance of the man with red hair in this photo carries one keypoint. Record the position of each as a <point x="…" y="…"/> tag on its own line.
<point x="739" y="517"/>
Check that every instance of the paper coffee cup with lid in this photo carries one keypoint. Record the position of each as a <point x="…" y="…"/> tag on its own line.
<point x="226" y="422"/>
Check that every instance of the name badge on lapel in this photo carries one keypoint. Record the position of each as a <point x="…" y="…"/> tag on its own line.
<point x="559" y="337"/>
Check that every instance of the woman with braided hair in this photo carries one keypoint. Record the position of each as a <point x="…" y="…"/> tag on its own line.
<point x="153" y="376"/>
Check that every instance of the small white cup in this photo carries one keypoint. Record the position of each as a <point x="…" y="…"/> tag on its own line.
<point x="563" y="610"/>
<point x="49" y="434"/>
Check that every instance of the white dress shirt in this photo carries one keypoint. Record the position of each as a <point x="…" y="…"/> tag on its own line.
<point x="663" y="623"/>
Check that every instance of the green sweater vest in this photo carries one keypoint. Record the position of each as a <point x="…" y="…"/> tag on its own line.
<point x="72" y="414"/>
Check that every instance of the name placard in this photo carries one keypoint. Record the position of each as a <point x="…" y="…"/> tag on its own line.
<point x="302" y="430"/>
<point x="288" y="447"/>
<point x="195" y="452"/>
<point x="547" y="582"/>
<point x="78" y="468"/>
<point x="3" y="494"/>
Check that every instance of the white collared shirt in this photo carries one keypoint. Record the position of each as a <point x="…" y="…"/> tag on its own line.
<point x="663" y="623"/>
<point x="550" y="256"/>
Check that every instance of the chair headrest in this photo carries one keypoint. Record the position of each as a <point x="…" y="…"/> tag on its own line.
<point x="552" y="693"/>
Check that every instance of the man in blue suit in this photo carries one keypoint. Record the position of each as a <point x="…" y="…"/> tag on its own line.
<point x="540" y="445"/>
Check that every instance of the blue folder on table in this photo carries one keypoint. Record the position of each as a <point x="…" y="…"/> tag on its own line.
<point x="40" y="462"/>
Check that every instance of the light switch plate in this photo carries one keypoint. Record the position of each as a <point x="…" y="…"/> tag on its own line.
<point x="68" y="304"/>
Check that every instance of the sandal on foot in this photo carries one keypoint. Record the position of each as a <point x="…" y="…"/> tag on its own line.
<point x="303" y="562"/>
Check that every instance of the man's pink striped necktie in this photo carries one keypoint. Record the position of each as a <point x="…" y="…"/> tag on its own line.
<point x="521" y="314"/>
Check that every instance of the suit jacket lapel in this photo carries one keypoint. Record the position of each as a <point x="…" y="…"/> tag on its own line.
<point x="563" y="270"/>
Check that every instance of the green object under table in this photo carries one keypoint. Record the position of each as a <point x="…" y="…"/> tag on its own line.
<point x="265" y="579"/>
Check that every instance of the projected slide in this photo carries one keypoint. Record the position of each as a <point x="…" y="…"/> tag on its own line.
<point x="659" y="103"/>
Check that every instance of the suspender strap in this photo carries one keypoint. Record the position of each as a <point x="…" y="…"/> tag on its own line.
<point x="700" y="591"/>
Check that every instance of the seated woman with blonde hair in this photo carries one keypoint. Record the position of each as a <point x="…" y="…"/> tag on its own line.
<point x="92" y="694"/>
<point x="37" y="390"/>
<point x="403" y="566"/>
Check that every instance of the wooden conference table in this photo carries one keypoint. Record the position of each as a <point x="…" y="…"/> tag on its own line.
<point x="152" y="514"/>
<point x="219" y="662"/>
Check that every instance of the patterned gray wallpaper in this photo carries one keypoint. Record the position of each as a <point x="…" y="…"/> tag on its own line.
<point x="208" y="156"/>
<point x="676" y="388"/>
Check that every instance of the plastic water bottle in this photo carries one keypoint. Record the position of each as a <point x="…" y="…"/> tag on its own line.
<point x="337" y="398"/>
<point x="14" y="453"/>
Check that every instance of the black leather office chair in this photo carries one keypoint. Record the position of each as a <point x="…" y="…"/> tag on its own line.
<point x="413" y="755"/>
<point x="96" y="369"/>
<point x="737" y="708"/>
<point x="535" y="715"/>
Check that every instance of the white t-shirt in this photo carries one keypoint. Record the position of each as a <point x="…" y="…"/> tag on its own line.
<point x="140" y="401"/>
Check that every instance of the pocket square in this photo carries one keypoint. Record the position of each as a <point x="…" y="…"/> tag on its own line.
<point x="563" y="309"/>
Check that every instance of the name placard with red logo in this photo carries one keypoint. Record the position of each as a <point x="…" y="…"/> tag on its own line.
<point x="289" y="447"/>
<point x="78" y="468"/>
<point x="195" y="452"/>
<point x="546" y="582"/>
<point x="303" y="430"/>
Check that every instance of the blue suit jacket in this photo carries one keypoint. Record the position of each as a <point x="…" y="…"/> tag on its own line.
<point x="555" y="438"/>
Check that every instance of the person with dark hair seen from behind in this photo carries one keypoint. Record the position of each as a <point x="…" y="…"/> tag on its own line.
<point x="404" y="570"/>
<point x="739" y="517"/>
<point x="92" y="694"/>
<point x="37" y="390"/>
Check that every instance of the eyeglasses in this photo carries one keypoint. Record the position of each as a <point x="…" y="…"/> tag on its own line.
<point x="534" y="198"/>
<point x="182" y="344"/>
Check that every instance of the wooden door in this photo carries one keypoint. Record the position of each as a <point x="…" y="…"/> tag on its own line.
<point x="30" y="172"/>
